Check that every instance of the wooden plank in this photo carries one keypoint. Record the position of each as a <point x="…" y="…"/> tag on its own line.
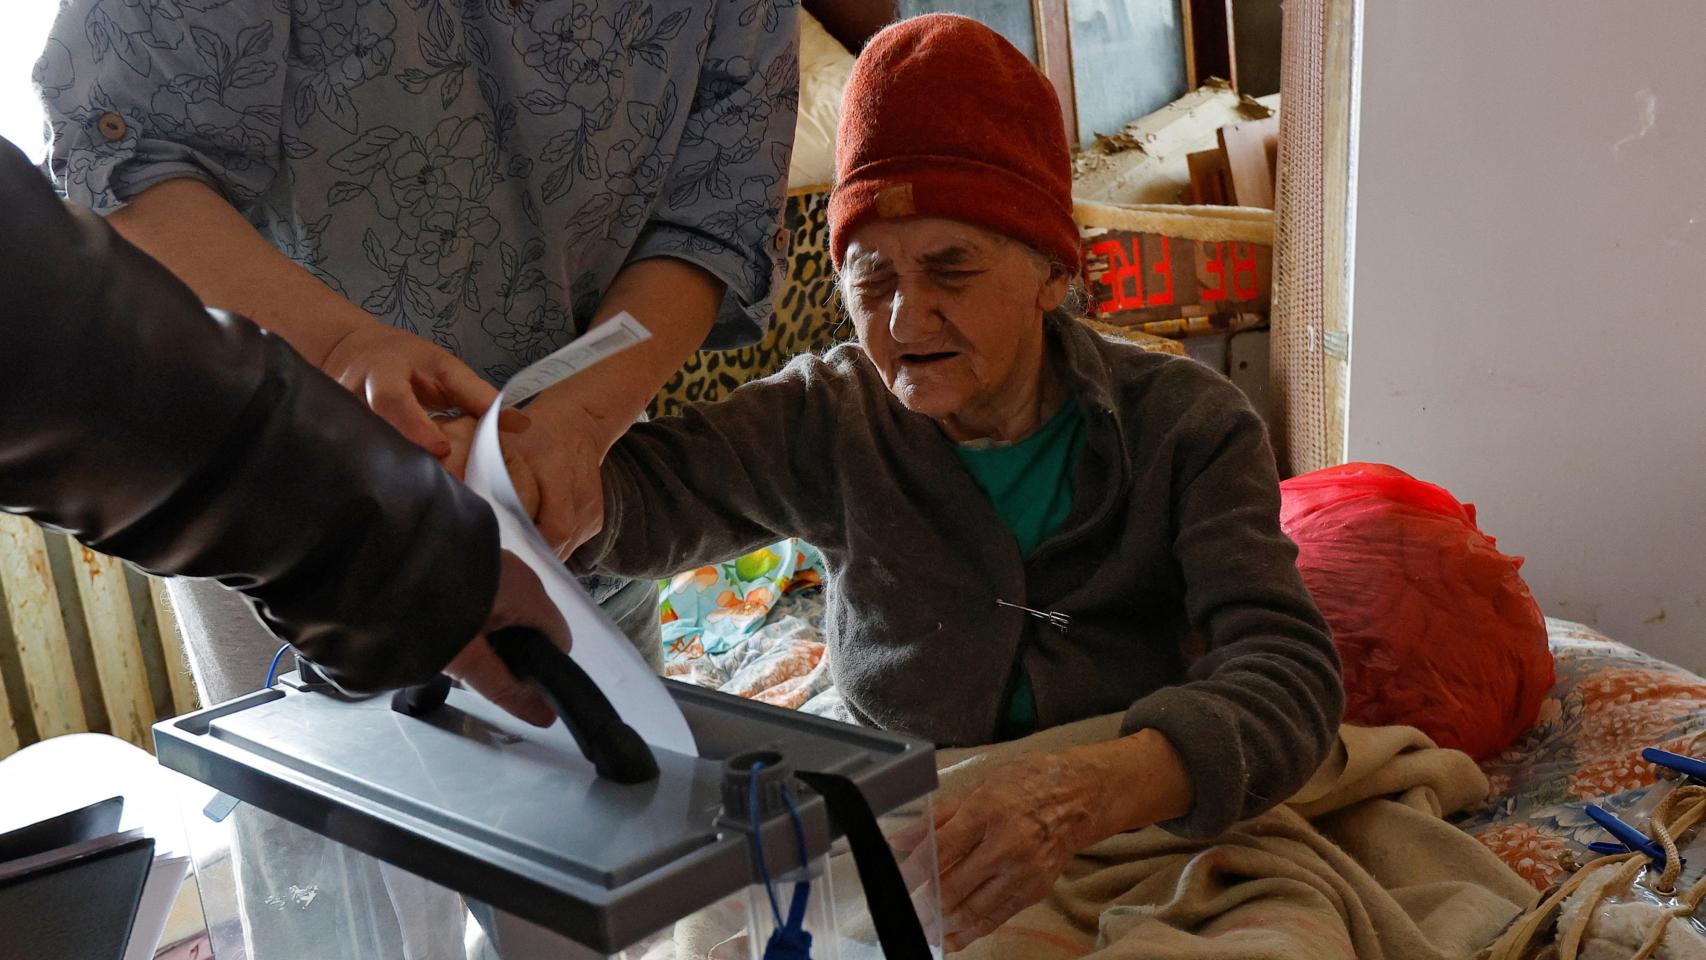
<point x="10" y="674"/>
<point x="1209" y="181"/>
<point x="9" y="741"/>
<point x="33" y="608"/>
<point x="148" y="642"/>
<point x="1187" y="28"/>
<point x="1338" y="122"/>
<point x="184" y="697"/>
<point x="1246" y="146"/>
<point x="117" y="650"/>
<point x="1054" y="50"/>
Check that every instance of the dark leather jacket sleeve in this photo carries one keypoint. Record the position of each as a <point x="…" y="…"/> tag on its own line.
<point x="192" y="443"/>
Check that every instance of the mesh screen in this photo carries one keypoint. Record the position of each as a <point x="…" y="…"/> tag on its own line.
<point x="1299" y="362"/>
<point x="1311" y="305"/>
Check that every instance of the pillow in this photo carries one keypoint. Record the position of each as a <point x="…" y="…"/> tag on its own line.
<point x="824" y="67"/>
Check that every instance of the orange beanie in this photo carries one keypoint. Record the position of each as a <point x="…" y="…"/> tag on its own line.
<point x="944" y="118"/>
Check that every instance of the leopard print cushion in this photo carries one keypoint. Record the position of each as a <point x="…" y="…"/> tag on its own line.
<point x="809" y="318"/>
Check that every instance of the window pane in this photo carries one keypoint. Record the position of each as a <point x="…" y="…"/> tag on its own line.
<point x="1128" y="59"/>
<point x="1010" y="18"/>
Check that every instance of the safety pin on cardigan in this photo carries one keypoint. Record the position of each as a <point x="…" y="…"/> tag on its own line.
<point x="1059" y="621"/>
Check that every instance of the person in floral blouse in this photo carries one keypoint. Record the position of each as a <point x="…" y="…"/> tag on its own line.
<point x="422" y="197"/>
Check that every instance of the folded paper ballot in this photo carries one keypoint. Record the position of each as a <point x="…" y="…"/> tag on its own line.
<point x="599" y="647"/>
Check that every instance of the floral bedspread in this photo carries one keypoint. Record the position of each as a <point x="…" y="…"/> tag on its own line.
<point x="1610" y="702"/>
<point x="752" y="627"/>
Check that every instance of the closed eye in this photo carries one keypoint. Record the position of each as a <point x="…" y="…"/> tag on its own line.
<point x="880" y="288"/>
<point x="954" y="277"/>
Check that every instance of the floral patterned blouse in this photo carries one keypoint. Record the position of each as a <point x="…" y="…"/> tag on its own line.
<point x="473" y="171"/>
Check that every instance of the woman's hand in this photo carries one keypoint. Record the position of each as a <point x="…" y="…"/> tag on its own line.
<point x="1002" y="846"/>
<point x="553" y="464"/>
<point x="405" y="380"/>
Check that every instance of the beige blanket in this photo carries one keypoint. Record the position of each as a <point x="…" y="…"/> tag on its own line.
<point x="1360" y="864"/>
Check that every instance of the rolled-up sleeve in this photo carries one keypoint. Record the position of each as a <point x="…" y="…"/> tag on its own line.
<point x="139" y="93"/>
<point x="721" y="207"/>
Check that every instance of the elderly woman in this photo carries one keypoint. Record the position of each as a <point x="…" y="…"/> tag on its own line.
<point x="1025" y="524"/>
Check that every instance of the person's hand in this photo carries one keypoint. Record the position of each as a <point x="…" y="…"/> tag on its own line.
<point x="405" y="379"/>
<point x="462" y="432"/>
<point x="521" y="602"/>
<point x="459" y="432"/>
<point x="554" y="464"/>
<point x="1002" y="845"/>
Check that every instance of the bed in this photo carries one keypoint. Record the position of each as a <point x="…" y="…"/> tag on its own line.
<point x="754" y="627"/>
<point x="1610" y="702"/>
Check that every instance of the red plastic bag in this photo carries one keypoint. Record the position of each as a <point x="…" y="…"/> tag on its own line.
<point x="1436" y="628"/>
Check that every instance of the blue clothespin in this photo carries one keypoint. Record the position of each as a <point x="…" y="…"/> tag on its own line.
<point x="1687" y="766"/>
<point x="1631" y="838"/>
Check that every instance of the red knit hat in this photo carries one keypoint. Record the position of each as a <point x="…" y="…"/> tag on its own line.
<point x="944" y="118"/>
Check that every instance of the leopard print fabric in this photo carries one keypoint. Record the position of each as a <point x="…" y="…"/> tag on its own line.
<point x="809" y="318"/>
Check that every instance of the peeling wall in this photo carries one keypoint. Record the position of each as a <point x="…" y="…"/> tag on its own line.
<point x="1530" y="308"/>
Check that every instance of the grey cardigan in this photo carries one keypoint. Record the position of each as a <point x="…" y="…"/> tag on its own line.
<point x="1186" y="607"/>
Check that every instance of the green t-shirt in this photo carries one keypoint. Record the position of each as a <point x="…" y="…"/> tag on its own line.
<point x="1030" y="485"/>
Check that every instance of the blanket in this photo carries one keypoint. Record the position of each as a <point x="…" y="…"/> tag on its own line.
<point x="1610" y="702"/>
<point x="1360" y="864"/>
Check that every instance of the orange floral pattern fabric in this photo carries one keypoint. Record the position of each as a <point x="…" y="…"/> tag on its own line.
<point x="1610" y="702"/>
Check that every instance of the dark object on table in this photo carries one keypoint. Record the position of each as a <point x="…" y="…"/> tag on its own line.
<point x="75" y="902"/>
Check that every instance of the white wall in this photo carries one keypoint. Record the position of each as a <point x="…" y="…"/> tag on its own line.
<point x="1530" y="291"/>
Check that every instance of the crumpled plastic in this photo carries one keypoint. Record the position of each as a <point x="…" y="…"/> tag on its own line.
<point x="1435" y="626"/>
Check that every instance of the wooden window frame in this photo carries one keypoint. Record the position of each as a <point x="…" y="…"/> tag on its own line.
<point x="1209" y="44"/>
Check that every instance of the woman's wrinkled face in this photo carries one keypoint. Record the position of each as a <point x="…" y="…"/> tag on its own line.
<point x="950" y="313"/>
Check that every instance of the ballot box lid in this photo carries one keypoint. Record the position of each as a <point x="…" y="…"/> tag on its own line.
<point x="513" y="816"/>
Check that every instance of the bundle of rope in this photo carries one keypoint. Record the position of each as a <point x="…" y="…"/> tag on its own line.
<point x="1559" y="926"/>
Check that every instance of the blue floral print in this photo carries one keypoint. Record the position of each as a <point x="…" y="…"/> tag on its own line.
<point x="472" y="171"/>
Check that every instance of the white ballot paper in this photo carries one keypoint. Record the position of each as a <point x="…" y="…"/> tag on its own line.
<point x="601" y="649"/>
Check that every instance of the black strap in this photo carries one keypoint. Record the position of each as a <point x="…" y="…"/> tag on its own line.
<point x="617" y="751"/>
<point x="898" y="929"/>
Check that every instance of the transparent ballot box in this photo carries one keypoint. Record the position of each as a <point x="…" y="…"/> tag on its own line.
<point x="337" y="828"/>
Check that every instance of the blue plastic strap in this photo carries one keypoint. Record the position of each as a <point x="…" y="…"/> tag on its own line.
<point x="272" y="670"/>
<point x="758" y="845"/>
<point x="789" y="941"/>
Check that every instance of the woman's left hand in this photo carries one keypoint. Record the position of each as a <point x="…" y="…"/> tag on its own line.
<point x="1002" y="845"/>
